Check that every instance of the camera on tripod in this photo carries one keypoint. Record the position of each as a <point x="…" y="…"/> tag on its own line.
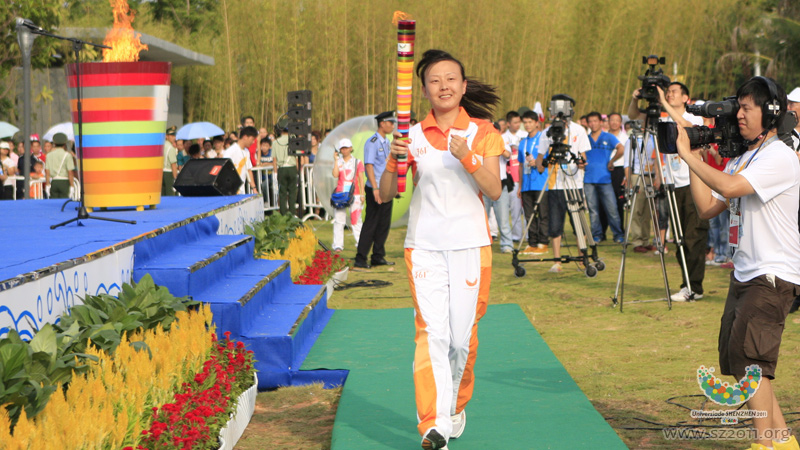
<point x="560" y="113"/>
<point x="653" y="78"/>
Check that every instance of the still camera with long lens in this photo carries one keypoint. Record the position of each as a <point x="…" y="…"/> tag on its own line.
<point x="560" y="113"/>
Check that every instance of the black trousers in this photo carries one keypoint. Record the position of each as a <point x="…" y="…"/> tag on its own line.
<point x="375" y="229"/>
<point x="287" y="189"/>
<point x="537" y="233"/>
<point x="695" y="239"/>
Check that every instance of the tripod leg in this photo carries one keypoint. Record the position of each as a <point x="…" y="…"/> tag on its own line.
<point x="534" y="216"/>
<point x="677" y="230"/>
<point x="620" y="289"/>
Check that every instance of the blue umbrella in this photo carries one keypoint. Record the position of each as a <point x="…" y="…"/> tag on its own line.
<point x="199" y="130"/>
<point x="7" y="130"/>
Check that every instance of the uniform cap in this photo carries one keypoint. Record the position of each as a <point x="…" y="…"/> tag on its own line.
<point x="60" y="139"/>
<point x="384" y="116"/>
<point x="172" y="130"/>
<point x="794" y="96"/>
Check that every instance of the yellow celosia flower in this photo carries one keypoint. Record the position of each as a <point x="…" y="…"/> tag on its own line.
<point x="110" y="406"/>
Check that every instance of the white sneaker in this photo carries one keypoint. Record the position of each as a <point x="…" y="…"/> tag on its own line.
<point x="684" y="295"/>
<point x="459" y="422"/>
<point x="556" y="268"/>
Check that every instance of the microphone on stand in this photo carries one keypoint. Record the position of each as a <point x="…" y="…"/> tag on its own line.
<point x="28" y="24"/>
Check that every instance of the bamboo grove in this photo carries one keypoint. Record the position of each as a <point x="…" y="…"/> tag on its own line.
<point x="344" y="50"/>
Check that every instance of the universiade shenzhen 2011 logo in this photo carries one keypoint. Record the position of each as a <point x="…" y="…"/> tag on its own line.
<point x="722" y="393"/>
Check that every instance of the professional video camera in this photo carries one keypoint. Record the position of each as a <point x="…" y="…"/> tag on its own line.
<point x="725" y="132"/>
<point x="560" y="113"/>
<point x="654" y="77"/>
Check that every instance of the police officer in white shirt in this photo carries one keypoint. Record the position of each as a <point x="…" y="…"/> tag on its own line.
<point x="761" y="189"/>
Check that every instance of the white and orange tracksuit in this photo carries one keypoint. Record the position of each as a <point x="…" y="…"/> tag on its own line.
<point x="449" y="260"/>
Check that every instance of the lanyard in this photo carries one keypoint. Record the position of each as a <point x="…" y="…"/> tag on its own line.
<point x="735" y="203"/>
<point x="736" y="168"/>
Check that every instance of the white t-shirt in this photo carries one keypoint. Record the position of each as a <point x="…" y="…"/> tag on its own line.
<point x="621" y="136"/>
<point x="241" y="161"/>
<point x="8" y="163"/>
<point x="510" y="139"/>
<point x="769" y="242"/>
<point x="579" y="143"/>
<point x="674" y="166"/>
<point x="446" y="210"/>
<point x="631" y="158"/>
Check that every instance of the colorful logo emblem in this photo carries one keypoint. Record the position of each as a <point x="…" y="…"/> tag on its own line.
<point x="722" y="393"/>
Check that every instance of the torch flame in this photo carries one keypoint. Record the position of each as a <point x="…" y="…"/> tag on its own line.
<point x="124" y="42"/>
<point x="400" y="15"/>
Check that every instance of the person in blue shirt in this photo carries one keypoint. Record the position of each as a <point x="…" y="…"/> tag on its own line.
<point x="597" y="179"/>
<point x="378" y="218"/>
<point x="532" y="184"/>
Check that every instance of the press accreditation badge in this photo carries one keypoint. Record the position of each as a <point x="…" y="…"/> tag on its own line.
<point x="733" y="231"/>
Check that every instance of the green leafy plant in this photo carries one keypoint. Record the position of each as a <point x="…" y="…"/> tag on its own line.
<point x="273" y="233"/>
<point x="31" y="371"/>
<point x="104" y="319"/>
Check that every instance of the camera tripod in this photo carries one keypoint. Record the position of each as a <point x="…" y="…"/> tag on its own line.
<point x="576" y="208"/>
<point x="638" y="146"/>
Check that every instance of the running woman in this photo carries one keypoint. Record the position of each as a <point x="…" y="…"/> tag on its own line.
<point x="454" y="155"/>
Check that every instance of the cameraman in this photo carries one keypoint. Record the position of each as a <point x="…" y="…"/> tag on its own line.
<point x="562" y="176"/>
<point x="695" y="229"/>
<point x="762" y="187"/>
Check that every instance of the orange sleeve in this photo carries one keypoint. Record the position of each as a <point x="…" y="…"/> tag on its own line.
<point x="488" y="142"/>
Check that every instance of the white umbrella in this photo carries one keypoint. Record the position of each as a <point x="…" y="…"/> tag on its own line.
<point x="7" y="130"/>
<point x="65" y="128"/>
<point x="197" y="130"/>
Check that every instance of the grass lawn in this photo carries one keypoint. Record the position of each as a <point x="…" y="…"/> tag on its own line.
<point x="628" y="364"/>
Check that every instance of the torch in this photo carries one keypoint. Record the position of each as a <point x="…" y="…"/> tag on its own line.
<point x="406" y="29"/>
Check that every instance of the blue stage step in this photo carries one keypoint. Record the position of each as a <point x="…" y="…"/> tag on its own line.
<point x="285" y="331"/>
<point x="194" y="266"/>
<point x="254" y="299"/>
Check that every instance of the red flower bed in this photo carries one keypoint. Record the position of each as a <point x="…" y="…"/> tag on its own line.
<point x="322" y="267"/>
<point x="203" y="406"/>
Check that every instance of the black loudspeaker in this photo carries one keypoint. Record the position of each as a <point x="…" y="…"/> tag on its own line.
<point x="208" y="178"/>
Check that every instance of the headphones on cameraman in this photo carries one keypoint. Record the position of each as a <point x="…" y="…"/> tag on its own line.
<point x="771" y="109"/>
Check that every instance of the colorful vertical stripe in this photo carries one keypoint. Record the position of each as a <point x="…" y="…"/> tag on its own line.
<point x="406" y="32"/>
<point x="125" y="107"/>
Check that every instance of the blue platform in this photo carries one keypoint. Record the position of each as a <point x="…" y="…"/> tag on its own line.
<point x="193" y="246"/>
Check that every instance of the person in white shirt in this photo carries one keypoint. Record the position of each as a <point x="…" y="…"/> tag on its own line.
<point x="501" y="206"/>
<point x="562" y="177"/>
<point x="618" y="172"/>
<point x="512" y="137"/>
<point x="453" y="153"/>
<point x="240" y="157"/>
<point x="676" y="171"/>
<point x="349" y="174"/>
<point x="761" y="189"/>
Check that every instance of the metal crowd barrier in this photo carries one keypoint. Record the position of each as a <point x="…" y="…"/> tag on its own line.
<point x="267" y="186"/>
<point x="309" y="194"/>
<point x="37" y="187"/>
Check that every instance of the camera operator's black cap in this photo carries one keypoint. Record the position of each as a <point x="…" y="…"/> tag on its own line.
<point x="384" y="116"/>
<point x="563" y="97"/>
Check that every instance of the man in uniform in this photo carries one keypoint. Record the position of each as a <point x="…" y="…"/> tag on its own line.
<point x="379" y="214"/>
<point x="170" y="163"/>
<point x="59" y="168"/>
